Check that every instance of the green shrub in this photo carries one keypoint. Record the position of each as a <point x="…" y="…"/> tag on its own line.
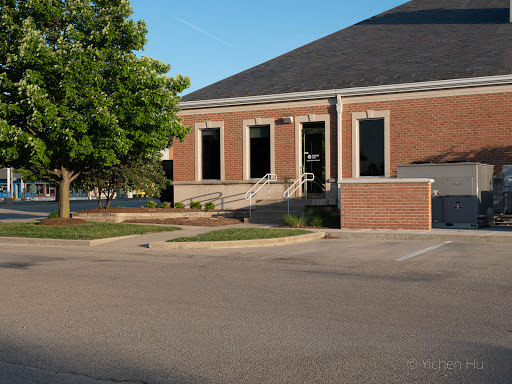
<point x="151" y="204"/>
<point x="165" y="205"/>
<point x="53" y="215"/>
<point x="316" y="221"/>
<point x="179" y="205"/>
<point x="195" y="205"/>
<point x="294" y="221"/>
<point x="209" y="205"/>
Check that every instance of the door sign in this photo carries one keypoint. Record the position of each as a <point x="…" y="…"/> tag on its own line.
<point x="312" y="158"/>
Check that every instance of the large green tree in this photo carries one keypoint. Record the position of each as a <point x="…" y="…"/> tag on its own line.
<point x="74" y="96"/>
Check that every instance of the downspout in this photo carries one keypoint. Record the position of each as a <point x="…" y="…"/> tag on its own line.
<point x="339" y="111"/>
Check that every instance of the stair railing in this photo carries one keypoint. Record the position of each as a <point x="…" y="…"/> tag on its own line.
<point x="265" y="180"/>
<point x="303" y="179"/>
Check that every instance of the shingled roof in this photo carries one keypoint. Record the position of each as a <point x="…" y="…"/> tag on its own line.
<point x="422" y="40"/>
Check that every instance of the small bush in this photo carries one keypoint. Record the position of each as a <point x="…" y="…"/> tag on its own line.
<point x="294" y="221"/>
<point x="209" y="205"/>
<point x="165" y="205"/>
<point x="179" y="205"/>
<point x="151" y="204"/>
<point x="321" y="217"/>
<point x="195" y="205"/>
<point x="53" y="215"/>
<point x="316" y="221"/>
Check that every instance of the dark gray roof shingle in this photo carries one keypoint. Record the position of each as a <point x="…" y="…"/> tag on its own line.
<point x="422" y="40"/>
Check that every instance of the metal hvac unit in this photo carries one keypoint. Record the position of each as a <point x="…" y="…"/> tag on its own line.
<point x="506" y="186"/>
<point x="461" y="194"/>
<point x="507" y="178"/>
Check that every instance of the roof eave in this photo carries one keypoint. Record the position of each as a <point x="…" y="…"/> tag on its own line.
<point x="350" y="92"/>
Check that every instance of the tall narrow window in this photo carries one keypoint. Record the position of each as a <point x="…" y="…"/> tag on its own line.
<point x="259" y="151"/>
<point x="371" y="147"/>
<point x="211" y="153"/>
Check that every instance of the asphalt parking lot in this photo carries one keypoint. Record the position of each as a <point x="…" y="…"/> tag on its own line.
<point x="329" y="311"/>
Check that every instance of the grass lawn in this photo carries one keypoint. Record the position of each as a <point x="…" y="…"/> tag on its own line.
<point x="89" y="231"/>
<point x="242" y="234"/>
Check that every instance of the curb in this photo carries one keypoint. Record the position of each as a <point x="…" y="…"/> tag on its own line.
<point x="60" y="242"/>
<point x="491" y="238"/>
<point x="239" y="243"/>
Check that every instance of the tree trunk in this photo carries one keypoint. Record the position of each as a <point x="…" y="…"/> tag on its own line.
<point x="66" y="177"/>
<point x="97" y="193"/>
<point x="110" y="196"/>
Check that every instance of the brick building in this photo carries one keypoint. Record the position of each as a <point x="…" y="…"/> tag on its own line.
<point x="428" y="81"/>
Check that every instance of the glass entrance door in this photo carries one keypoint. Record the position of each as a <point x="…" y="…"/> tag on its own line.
<point x="313" y="159"/>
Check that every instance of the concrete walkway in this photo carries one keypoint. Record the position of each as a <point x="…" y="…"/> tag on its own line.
<point x="186" y="231"/>
<point x="495" y="235"/>
<point x="482" y="235"/>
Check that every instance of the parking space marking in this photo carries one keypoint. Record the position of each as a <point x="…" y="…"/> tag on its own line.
<point x="422" y="251"/>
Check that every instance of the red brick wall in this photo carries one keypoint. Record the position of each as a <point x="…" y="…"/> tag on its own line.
<point x="233" y="129"/>
<point x="386" y="206"/>
<point x="457" y="128"/>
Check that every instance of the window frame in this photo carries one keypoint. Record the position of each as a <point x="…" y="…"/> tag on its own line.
<point x="369" y="115"/>
<point x="198" y="158"/>
<point x="247" y="124"/>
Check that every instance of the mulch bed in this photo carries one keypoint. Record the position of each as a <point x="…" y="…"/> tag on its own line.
<point x="143" y="210"/>
<point x="62" y="222"/>
<point x="198" y="222"/>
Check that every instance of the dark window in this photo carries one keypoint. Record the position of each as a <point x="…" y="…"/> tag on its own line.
<point x="40" y="189"/>
<point x="211" y="153"/>
<point x="259" y="150"/>
<point x="371" y="147"/>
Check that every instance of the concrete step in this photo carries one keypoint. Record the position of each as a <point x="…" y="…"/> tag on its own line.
<point x="278" y="208"/>
<point x="263" y="220"/>
<point x="297" y="202"/>
<point x="275" y="214"/>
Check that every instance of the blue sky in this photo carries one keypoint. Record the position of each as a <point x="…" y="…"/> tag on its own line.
<point x="211" y="40"/>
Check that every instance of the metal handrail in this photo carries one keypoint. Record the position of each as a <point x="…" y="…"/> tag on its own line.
<point x="268" y="178"/>
<point x="296" y="185"/>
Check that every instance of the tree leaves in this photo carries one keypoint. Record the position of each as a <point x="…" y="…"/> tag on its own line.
<point x="73" y="93"/>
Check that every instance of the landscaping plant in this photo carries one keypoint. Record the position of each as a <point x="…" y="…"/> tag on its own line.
<point x="151" y="204"/>
<point x="316" y="221"/>
<point x="209" y="205"/>
<point x="165" y="205"/>
<point x="53" y="215"/>
<point x="179" y="205"/>
<point x="294" y="221"/>
<point x="195" y="205"/>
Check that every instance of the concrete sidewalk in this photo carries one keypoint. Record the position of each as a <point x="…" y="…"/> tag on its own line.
<point x="186" y="231"/>
<point x="482" y="235"/>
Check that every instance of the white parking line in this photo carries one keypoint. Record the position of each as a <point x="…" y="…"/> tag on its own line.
<point x="422" y="251"/>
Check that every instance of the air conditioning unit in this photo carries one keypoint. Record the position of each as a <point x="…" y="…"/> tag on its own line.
<point x="461" y="194"/>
